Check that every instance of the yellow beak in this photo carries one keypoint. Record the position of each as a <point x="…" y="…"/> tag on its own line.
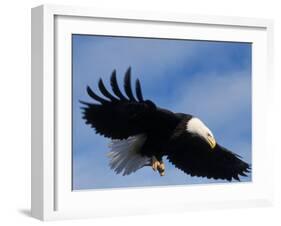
<point x="211" y="141"/>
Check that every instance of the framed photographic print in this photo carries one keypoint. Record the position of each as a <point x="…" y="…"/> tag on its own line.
<point x="137" y="112"/>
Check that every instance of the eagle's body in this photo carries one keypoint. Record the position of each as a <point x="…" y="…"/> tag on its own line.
<point x="143" y="133"/>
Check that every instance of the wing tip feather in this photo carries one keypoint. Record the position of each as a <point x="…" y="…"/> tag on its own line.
<point x="127" y="85"/>
<point x="138" y="90"/>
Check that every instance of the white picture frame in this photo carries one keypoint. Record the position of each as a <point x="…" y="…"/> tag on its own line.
<point x="52" y="197"/>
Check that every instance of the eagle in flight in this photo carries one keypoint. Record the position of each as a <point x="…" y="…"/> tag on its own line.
<point x="142" y="134"/>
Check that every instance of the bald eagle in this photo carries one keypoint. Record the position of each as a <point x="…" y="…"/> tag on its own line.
<point x="142" y="134"/>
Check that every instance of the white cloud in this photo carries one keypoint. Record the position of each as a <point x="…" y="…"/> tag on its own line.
<point x="218" y="99"/>
<point x="157" y="56"/>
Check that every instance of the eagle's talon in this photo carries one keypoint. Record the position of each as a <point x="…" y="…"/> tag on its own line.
<point x="155" y="163"/>
<point x="161" y="168"/>
<point x="158" y="165"/>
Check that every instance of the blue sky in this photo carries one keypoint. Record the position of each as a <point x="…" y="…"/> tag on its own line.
<point x="211" y="80"/>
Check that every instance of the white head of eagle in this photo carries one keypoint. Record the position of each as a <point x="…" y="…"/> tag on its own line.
<point x="142" y="134"/>
<point x="196" y="126"/>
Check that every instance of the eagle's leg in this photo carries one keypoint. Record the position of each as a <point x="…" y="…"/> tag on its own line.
<point x="158" y="165"/>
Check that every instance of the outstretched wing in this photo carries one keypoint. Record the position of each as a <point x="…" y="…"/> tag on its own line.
<point x="194" y="156"/>
<point x="118" y="116"/>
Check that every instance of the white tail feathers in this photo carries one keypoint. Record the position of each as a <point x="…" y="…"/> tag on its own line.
<point x="125" y="155"/>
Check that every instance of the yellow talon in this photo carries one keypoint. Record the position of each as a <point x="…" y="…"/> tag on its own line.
<point x="159" y="166"/>
<point x="155" y="163"/>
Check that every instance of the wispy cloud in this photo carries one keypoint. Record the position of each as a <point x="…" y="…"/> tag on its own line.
<point x="213" y="97"/>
